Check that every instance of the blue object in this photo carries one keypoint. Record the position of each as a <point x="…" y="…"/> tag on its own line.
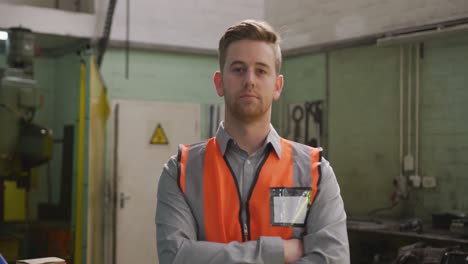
<point x="2" y="260"/>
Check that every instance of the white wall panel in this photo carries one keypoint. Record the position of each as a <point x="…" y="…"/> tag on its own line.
<point x="68" y="5"/>
<point x="182" y="23"/>
<point x="197" y="24"/>
<point x="47" y="20"/>
<point x="315" y="22"/>
<point x="41" y="3"/>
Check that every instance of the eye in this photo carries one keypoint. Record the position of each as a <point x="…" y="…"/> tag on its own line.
<point x="238" y="70"/>
<point x="261" y="71"/>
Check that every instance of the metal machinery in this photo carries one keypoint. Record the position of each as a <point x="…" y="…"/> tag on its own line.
<point x="23" y="144"/>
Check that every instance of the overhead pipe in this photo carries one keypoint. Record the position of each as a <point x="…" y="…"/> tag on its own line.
<point x="416" y="141"/>
<point x="440" y="30"/>
<point x="409" y="152"/>
<point x="401" y="180"/>
<point x="401" y="108"/>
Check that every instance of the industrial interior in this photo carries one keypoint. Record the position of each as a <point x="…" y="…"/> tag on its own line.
<point x="96" y="95"/>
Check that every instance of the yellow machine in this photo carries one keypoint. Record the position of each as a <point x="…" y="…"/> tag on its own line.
<point x="23" y="144"/>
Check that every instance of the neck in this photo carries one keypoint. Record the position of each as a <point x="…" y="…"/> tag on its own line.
<point x="250" y="136"/>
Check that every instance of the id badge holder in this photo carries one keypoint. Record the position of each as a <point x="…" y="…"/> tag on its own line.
<point x="289" y="206"/>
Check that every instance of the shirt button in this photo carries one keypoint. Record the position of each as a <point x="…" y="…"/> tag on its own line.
<point x="248" y="162"/>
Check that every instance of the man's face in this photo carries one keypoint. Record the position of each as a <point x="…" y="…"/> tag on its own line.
<point x="249" y="82"/>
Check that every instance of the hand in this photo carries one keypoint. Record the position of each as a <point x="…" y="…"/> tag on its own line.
<point x="293" y="250"/>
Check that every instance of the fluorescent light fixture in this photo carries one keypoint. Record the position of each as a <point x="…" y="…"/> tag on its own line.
<point x="422" y="36"/>
<point x="3" y="35"/>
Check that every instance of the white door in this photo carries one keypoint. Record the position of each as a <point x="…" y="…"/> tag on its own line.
<point x="138" y="167"/>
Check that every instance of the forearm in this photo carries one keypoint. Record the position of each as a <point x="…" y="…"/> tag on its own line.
<point x="327" y="246"/>
<point x="177" y="249"/>
<point x="326" y="239"/>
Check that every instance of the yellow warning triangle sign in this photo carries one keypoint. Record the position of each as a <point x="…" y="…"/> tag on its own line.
<point x="159" y="137"/>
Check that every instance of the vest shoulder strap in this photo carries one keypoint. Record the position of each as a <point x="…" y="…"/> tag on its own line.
<point x="182" y="155"/>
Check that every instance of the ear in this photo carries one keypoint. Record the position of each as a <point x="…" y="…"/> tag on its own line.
<point x="218" y="82"/>
<point x="278" y="87"/>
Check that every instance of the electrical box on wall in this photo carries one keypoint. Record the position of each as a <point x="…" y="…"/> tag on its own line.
<point x="415" y="180"/>
<point x="408" y="163"/>
<point x="429" y="182"/>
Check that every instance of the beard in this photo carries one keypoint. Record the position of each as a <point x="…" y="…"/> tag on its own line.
<point x="248" y="110"/>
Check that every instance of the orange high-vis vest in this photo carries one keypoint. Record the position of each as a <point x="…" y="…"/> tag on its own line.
<point x="212" y="192"/>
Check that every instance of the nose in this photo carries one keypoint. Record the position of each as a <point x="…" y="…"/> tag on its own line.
<point x="249" y="79"/>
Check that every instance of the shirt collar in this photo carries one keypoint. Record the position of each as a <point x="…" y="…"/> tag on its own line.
<point x="223" y="138"/>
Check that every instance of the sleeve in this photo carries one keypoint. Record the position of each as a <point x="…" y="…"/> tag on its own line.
<point x="326" y="238"/>
<point x="176" y="232"/>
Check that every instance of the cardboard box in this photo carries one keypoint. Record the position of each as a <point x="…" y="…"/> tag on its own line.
<point x="51" y="260"/>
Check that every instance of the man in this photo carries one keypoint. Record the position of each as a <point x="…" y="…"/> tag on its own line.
<point x="247" y="195"/>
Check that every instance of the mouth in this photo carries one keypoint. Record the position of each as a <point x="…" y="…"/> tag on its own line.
<point x="247" y="96"/>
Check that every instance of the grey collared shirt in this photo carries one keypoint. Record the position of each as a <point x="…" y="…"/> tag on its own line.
<point x="242" y="164"/>
<point x="325" y="240"/>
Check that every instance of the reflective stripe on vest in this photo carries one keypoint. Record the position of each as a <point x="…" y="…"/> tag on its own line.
<point x="212" y="192"/>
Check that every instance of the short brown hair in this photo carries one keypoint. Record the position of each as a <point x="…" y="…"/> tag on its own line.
<point x="250" y="30"/>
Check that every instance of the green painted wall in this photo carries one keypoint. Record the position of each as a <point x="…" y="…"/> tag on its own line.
<point x="2" y="60"/>
<point x="363" y="117"/>
<point x="364" y="125"/>
<point x="58" y="82"/>
<point x="304" y="80"/>
<point x="363" y="122"/>
<point x="162" y="76"/>
<point x="44" y="180"/>
<point x="444" y="127"/>
<point x="66" y="106"/>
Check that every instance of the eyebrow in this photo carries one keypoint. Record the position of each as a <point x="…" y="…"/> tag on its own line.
<point x="243" y="63"/>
